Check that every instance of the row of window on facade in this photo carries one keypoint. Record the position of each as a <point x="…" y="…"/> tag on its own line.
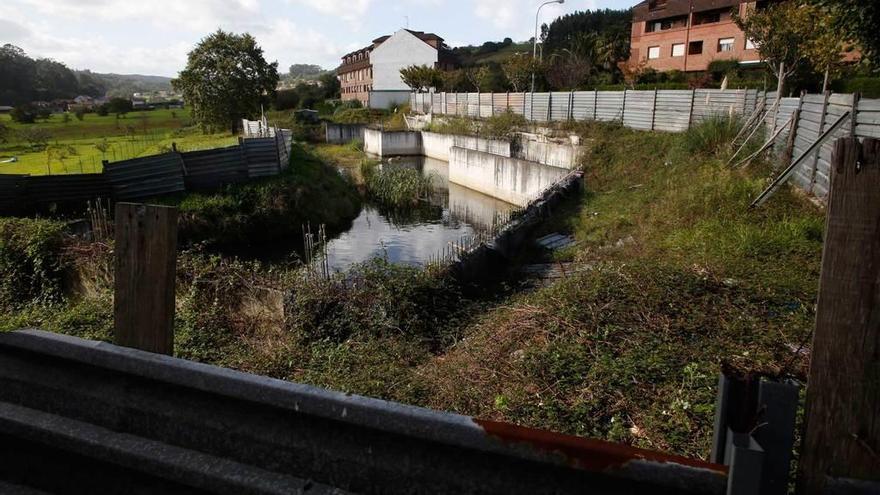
<point x="696" y="48"/>
<point x="699" y="18"/>
<point x="361" y="88"/>
<point x="355" y="58"/>
<point x="358" y="75"/>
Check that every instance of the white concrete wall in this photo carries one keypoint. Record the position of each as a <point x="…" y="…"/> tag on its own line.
<point x="384" y="100"/>
<point x="401" y="50"/>
<point x="508" y="179"/>
<point x="343" y="133"/>
<point x="404" y="143"/>
<point x="373" y="141"/>
<point x="565" y="156"/>
<point x="438" y="145"/>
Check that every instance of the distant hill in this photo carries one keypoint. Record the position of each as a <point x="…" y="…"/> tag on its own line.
<point x="123" y="85"/>
<point x="490" y="51"/>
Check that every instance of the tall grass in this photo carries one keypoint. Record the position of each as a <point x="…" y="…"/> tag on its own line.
<point x="396" y="187"/>
<point x="713" y="136"/>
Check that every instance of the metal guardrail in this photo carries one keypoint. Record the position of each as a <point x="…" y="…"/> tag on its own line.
<point x="146" y="420"/>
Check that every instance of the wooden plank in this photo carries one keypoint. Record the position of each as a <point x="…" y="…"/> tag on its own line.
<point x="843" y="395"/>
<point x="146" y="262"/>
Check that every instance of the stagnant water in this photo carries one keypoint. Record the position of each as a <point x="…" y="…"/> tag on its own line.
<point x="413" y="237"/>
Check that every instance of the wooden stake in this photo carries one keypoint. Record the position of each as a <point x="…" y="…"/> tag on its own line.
<point x="843" y="395"/>
<point x="146" y="262"/>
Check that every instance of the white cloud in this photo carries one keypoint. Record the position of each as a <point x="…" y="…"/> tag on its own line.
<point x="351" y="11"/>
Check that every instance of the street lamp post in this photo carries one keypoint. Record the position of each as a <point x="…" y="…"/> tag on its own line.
<point x="535" y="46"/>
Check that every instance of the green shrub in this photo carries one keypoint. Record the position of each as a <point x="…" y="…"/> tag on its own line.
<point x="503" y="125"/>
<point x="396" y="187"/>
<point x="712" y="136"/>
<point x="869" y="87"/>
<point x="374" y="299"/>
<point x="308" y="191"/>
<point x="30" y="261"/>
<point x="721" y="68"/>
<point x="452" y="125"/>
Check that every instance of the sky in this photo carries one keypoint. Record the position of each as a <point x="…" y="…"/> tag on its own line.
<point x="153" y="37"/>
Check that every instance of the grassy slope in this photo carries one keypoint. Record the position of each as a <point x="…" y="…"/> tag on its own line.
<point x="631" y="348"/>
<point x="151" y="132"/>
<point x="627" y="350"/>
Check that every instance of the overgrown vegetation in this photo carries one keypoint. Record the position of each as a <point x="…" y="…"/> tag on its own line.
<point x="30" y="262"/>
<point x="501" y="126"/>
<point x="673" y="278"/>
<point x="273" y="208"/>
<point x="395" y="187"/>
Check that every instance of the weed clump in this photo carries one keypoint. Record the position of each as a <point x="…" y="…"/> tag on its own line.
<point x="713" y="136"/>
<point x="30" y="261"/>
<point x="394" y="187"/>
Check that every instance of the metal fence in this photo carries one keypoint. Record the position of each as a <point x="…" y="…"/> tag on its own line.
<point x="661" y="110"/>
<point x="678" y="110"/>
<point x="150" y="176"/>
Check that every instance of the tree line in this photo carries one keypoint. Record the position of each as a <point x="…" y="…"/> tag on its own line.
<point x="24" y="79"/>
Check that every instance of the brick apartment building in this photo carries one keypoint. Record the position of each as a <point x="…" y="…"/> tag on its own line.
<point x="687" y="35"/>
<point x="376" y="68"/>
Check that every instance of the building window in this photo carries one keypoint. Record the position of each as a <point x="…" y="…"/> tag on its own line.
<point x="726" y="44"/>
<point x="695" y="48"/>
<point x="653" y="52"/>
<point x="666" y="24"/>
<point x="678" y="50"/>
<point x="751" y="45"/>
<point x="709" y="17"/>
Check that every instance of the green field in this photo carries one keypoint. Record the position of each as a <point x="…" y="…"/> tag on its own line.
<point x="75" y="146"/>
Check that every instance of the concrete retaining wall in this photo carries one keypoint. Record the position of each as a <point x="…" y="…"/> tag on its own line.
<point x="565" y="156"/>
<point x="437" y="146"/>
<point x="343" y="133"/>
<point x="383" y="143"/>
<point x="509" y="179"/>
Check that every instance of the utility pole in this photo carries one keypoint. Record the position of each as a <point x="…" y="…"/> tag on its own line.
<point x="535" y="39"/>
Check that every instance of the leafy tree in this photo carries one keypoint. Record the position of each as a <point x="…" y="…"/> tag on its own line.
<point x="44" y="113"/>
<point x="330" y="85"/>
<point x="519" y="69"/>
<point x="103" y="110"/>
<point x="226" y="78"/>
<point x="103" y="146"/>
<point x="5" y="132"/>
<point x="478" y="77"/>
<point x="454" y="81"/>
<point x="24" y="114"/>
<point x="421" y="77"/>
<point x="825" y="46"/>
<point x="119" y="106"/>
<point x="783" y="34"/>
<point x="568" y="70"/>
<point x="857" y="20"/>
<point x="286" y="99"/>
<point x="301" y="71"/>
<point x="80" y="114"/>
<point x="612" y="25"/>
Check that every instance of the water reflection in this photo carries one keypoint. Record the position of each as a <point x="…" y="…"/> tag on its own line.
<point x="413" y="236"/>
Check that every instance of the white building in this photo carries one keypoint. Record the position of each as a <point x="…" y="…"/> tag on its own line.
<point x="372" y="74"/>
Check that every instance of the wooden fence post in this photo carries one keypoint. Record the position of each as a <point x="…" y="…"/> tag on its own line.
<point x="691" y="111"/>
<point x="146" y="263"/>
<point x="842" y="437"/>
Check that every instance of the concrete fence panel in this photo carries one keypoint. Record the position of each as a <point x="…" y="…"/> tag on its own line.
<point x="639" y="110"/>
<point x="673" y="110"/>
<point x="609" y="105"/>
<point x="583" y="106"/>
<point x="13" y="193"/>
<point x="262" y="157"/>
<point x="560" y="106"/>
<point x="146" y="177"/>
<point x="210" y="170"/>
<point x="74" y="189"/>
